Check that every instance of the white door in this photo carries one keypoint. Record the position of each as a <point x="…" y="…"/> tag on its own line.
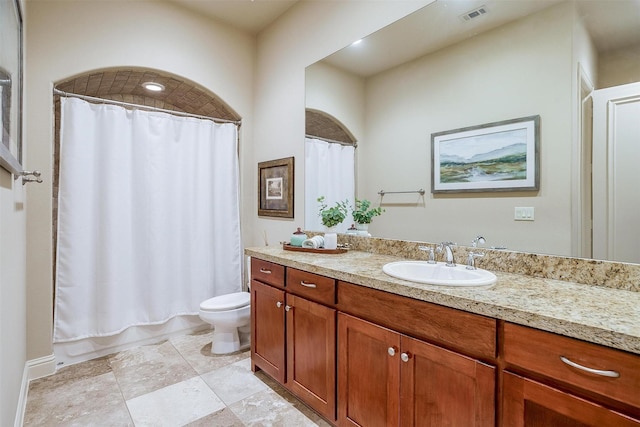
<point x="616" y="173"/>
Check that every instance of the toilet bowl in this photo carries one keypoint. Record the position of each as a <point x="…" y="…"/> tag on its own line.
<point x="230" y="316"/>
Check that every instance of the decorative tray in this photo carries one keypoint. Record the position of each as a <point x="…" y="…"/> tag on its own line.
<point x="289" y="247"/>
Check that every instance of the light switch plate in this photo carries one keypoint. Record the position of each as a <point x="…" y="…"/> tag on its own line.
<point x="524" y="214"/>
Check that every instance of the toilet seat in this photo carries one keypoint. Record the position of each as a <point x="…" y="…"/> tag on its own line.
<point x="226" y="302"/>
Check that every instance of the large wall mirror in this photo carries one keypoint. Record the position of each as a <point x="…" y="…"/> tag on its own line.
<point x="456" y="64"/>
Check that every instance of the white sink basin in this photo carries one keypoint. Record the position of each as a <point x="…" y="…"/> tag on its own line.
<point x="439" y="274"/>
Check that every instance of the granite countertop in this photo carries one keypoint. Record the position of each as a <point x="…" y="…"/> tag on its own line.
<point x="601" y="315"/>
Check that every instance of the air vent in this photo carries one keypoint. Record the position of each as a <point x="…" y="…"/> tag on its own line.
<point x="475" y="13"/>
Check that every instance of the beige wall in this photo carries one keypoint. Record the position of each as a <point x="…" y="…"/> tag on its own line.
<point x="619" y="67"/>
<point x="521" y="69"/>
<point x="306" y="33"/>
<point x="66" y="38"/>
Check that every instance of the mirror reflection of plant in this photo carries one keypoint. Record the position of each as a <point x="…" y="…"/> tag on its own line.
<point x="363" y="213"/>
<point x="332" y="216"/>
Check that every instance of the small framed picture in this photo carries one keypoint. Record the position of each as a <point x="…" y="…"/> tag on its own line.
<point x="275" y="188"/>
<point x="501" y="156"/>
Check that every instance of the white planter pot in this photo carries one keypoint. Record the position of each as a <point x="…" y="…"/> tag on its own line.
<point x="363" y="230"/>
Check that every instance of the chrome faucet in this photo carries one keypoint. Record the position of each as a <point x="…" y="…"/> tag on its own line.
<point x="432" y="257"/>
<point x="449" y="257"/>
<point x="471" y="259"/>
<point x="478" y="241"/>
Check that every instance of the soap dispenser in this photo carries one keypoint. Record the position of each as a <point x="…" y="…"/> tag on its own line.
<point x="298" y="237"/>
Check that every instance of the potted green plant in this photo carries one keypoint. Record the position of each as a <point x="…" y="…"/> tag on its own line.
<point x="363" y="214"/>
<point x="331" y="217"/>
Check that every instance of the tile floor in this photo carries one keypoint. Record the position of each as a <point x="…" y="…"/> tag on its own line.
<point x="177" y="382"/>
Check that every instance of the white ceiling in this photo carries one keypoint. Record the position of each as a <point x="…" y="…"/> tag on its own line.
<point x="248" y="15"/>
<point x="611" y="23"/>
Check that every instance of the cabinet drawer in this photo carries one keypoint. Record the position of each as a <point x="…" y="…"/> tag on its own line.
<point x="467" y="333"/>
<point x="313" y="286"/>
<point x="543" y="353"/>
<point x="267" y="272"/>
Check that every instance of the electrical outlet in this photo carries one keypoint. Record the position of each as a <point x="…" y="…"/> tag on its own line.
<point x="524" y="214"/>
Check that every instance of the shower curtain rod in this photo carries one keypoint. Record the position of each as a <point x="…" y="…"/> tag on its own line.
<point x="332" y="141"/>
<point x="145" y="107"/>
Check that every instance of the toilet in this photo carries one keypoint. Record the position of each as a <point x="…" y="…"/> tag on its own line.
<point x="230" y="315"/>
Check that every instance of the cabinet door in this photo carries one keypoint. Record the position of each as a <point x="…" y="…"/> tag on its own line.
<point x="267" y="329"/>
<point x="368" y="374"/>
<point x="527" y="403"/>
<point x="311" y="354"/>
<point x="443" y="388"/>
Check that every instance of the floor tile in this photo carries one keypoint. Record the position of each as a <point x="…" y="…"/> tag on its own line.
<point x="148" y="368"/>
<point x="267" y="408"/>
<point x="72" y="399"/>
<point x="175" y="405"/>
<point x="222" y="418"/>
<point x="196" y="350"/>
<point x="89" y="369"/>
<point x="234" y="382"/>
<point x="112" y="415"/>
<point x="173" y="383"/>
<point x="286" y="395"/>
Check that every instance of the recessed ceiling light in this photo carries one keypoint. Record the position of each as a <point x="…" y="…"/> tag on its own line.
<point x="153" y="86"/>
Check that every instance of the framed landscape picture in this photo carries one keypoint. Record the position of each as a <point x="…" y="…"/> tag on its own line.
<point x="275" y="188"/>
<point x="501" y="156"/>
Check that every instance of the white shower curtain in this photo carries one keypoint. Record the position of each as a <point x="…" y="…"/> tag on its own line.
<point x="329" y="172"/>
<point x="148" y="218"/>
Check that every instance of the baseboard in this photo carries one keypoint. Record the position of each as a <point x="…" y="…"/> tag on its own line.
<point x="33" y="369"/>
<point x="41" y="367"/>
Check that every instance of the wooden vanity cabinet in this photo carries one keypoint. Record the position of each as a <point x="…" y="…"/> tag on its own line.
<point x="405" y="362"/>
<point x="294" y="337"/>
<point x="268" y="318"/>
<point x="553" y="380"/>
<point x="390" y="379"/>
<point x="528" y="403"/>
<point x="387" y="378"/>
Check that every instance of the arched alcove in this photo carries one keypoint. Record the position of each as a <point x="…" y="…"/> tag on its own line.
<point x="325" y="126"/>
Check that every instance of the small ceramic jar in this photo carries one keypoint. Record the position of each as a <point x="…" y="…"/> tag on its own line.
<point x="298" y="237"/>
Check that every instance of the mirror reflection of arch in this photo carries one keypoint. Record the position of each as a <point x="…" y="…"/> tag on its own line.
<point x="329" y="166"/>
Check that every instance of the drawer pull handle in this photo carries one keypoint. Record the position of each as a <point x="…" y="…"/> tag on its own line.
<point x="308" y="284"/>
<point x="279" y="304"/>
<point x="611" y="374"/>
<point x="287" y="307"/>
<point x="392" y="351"/>
<point x="265" y="271"/>
<point x="405" y="357"/>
